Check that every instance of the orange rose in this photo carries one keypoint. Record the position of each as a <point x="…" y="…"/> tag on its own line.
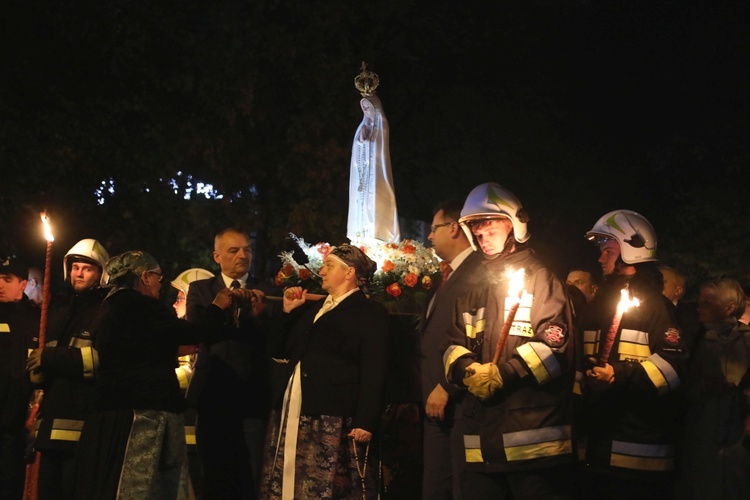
<point x="279" y="279"/>
<point x="284" y="273"/>
<point x="426" y="282"/>
<point x="388" y="266"/>
<point x="411" y="279"/>
<point x="408" y="249"/>
<point x="303" y="273"/>
<point x="392" y="246"/>
<point x="393" y="290"/>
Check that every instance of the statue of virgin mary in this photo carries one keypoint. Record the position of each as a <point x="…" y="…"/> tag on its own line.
<point x="372" y="200"/>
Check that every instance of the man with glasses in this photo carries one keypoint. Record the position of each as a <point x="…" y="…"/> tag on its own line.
<point x="442" y="464"/>
<point x="67" y="366"/>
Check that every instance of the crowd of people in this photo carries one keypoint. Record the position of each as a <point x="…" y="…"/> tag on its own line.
<point x="603" y="384"/>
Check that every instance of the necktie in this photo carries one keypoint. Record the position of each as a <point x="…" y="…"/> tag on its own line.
<point x="447" y="272"/>
<point x="235" y="308"/>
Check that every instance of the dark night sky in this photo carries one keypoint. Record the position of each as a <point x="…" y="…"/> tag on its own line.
<point x="583" y="110"/>
<point x="579" y="107"/>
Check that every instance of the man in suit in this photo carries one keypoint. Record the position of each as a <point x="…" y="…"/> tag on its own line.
<point x="441" y="466"/>
<point x="230" y="387"/>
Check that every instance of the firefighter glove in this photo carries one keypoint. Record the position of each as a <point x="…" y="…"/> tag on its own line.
<point x="483" y="380"/>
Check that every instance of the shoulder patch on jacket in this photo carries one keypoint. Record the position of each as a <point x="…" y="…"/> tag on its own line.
<point x="555" y="334"/>
<point x="672" y="336"/>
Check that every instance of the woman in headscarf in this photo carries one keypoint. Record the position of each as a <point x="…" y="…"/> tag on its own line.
<point x="320" y="442"/>
<point x="133" y="444"/>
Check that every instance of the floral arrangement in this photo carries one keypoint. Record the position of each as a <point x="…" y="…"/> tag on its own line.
<point x="406" y="273"/>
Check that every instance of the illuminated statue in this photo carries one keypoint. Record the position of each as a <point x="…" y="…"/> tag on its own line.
<point x="372" y="201"/>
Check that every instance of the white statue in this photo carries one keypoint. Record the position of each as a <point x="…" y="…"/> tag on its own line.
<point x="372" y="201"/>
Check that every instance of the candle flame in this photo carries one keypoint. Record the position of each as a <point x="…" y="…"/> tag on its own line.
<point x="47" y="229"/>
<point x="516" y="281"/>
<point x="626" y="302"/>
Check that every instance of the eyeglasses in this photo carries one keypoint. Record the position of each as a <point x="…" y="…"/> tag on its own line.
<point x="435" y="227"/>
<point x="159" y="275"/>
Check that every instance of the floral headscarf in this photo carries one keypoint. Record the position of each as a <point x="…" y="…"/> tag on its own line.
<point x="123" y="268"/>
<point x="363" y="265"/>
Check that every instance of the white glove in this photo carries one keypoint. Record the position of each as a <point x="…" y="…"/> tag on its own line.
<point x="483" y="380"/>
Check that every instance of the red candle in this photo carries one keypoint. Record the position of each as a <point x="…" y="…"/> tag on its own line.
<point x="514" y="297"/>
<point x="622" y="306"/>
<point x="30" y="491"/>
<point x="45" y="287"/>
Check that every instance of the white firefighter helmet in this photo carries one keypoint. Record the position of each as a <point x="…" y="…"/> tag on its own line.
<point x="87" y="250"/>
<point x="183" y="280"/>
<point x="633" y="232"/>
<point x="490" y="201"/>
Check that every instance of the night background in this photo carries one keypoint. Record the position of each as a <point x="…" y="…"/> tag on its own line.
<point x="114" y="112"/>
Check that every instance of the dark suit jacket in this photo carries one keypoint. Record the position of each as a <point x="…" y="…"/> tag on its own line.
<point x="434" y="325"/>
<point x="343" y="355"/>
<point x="230" y="375"/>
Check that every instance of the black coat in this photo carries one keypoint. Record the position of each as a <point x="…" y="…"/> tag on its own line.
<point x="70" y="367"/>
<point x="434" y="325"/>
<point x="19" y="327"/>
<point x="343" y="358"/>
<point x="137" y="343"/>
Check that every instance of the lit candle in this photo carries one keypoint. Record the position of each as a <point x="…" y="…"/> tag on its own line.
<point x="625" y="303"/>
<point x="45" y="289"/>
<point x="515" y="292"/>
<point x="30" y="489"/>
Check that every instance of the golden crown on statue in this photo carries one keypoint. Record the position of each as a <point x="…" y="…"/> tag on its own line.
<point x="366" y="81"/>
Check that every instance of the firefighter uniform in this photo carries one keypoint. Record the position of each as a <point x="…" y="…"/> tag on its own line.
<point x="70" y="365"/>
<point x="19" y="326"/>
<point x="630" y="428"/>
<point x="526" y="424"/>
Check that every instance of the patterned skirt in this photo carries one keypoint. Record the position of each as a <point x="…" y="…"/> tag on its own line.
<point x="132" y="454"/>
<point x="328" y="463"/>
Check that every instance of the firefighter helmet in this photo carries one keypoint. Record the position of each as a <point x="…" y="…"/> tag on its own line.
<point x="87" y="250"/>
<point x="490" y="201"/>
<point x="183" y="280"/>
<point x="633" y="232"/>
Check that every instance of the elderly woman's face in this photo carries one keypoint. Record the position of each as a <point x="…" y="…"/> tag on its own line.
<point x="152" y="282"/>
<point x="333" y="273"/>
